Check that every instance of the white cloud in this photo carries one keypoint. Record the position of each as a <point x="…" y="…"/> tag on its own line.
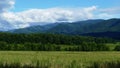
<point x="108" y="13"/>
<point x="44" y="16"/>
<point x="104" y="16"/>
<point x="113" y="10"/>
<point x="13" y="20"/>
<point x="52" y="15"/>
<point x="5" y="5"/>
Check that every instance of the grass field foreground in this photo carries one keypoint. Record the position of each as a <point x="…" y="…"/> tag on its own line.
<point x="58" y="59"/>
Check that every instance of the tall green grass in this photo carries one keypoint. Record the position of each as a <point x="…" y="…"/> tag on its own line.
<point x="105" y="65"/>
<point x="29" y="59"/>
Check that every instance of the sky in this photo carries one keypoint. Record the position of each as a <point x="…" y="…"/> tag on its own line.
<point x="16" y="14"/>
<point x="43" y="4"/>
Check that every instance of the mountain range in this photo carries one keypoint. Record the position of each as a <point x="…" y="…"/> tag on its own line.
<point x="97" y="28"/>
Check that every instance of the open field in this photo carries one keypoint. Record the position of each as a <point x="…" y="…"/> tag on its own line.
<point x="58" y="59"/>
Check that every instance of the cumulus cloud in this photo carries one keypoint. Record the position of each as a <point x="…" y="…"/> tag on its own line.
<point x="5" y="5"/>
<point x="44" y="16"/>
<point x="14" y="20"/>
<point x="51" y="15"/>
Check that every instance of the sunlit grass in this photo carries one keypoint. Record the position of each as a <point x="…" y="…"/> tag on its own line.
<point x="58" y="59"/>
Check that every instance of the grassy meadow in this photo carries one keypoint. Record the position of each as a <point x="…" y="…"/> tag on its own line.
<point x="42" y="59"/>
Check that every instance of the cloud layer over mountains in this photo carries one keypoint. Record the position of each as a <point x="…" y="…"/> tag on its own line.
<point x="13" y="20"/>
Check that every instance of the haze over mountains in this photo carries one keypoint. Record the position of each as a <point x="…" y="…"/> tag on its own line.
<point x="97" y="27"/>
<point x="79" y="27"/>
<point x="15" y="14"/>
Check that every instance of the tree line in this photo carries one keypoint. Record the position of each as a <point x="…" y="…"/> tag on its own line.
<point x="52" y="42"/>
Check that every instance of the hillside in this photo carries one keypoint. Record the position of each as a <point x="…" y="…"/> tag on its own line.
<point x="57" y="27"/>
<point x="111" y="25"/>
<point x="97" y="28"/>
<point x="34" y="29"/>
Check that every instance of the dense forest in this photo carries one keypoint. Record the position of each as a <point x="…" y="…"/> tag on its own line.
<point x="52" y="42"/>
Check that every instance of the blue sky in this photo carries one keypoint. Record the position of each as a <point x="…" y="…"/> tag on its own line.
<point x="24" y="13"/>
<point x="42" y="4"/>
